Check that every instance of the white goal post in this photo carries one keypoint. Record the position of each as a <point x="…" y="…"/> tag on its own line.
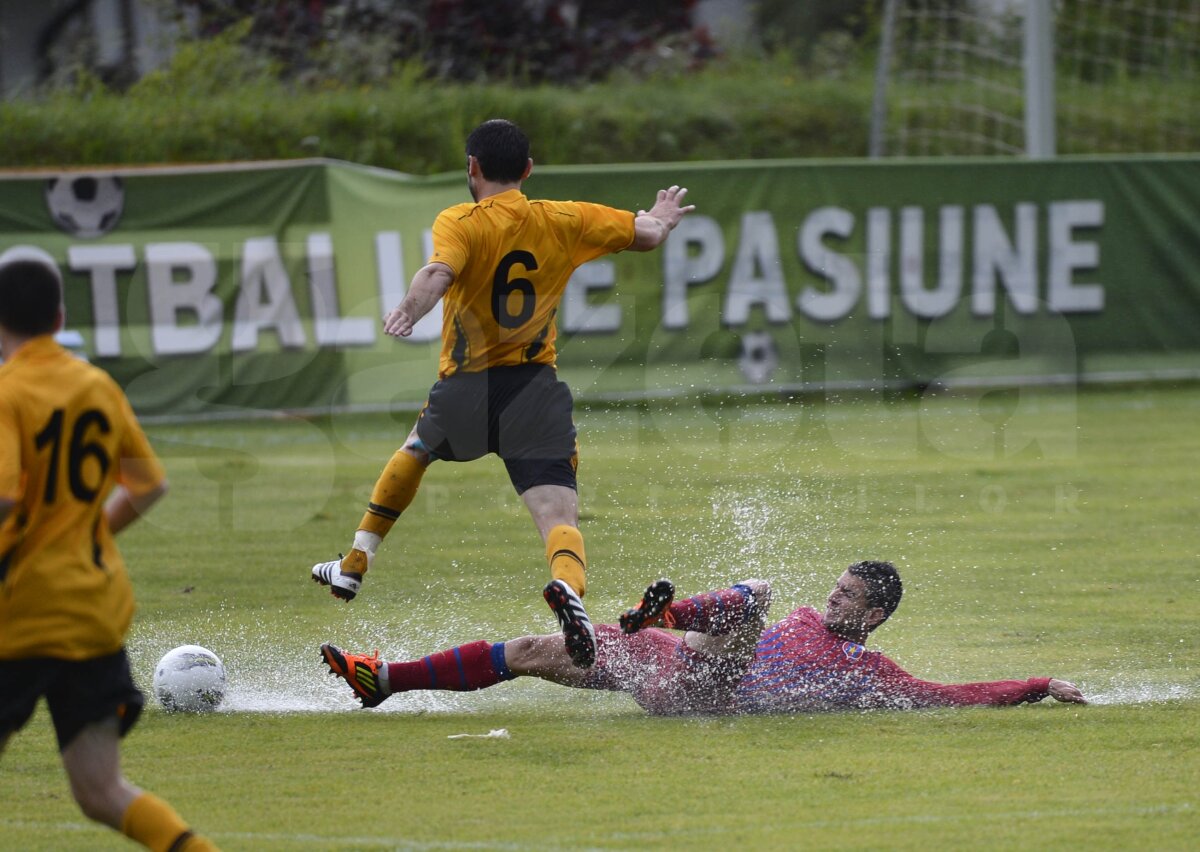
<point x="1036" y="77"/>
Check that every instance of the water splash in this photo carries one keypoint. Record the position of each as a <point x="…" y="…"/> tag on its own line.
<point x="272" y="673"/>
<point x="1140" y="693"/>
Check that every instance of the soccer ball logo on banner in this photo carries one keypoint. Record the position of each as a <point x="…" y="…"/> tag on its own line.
<point x="85" y="206"/>
<point x="759" y="357"/>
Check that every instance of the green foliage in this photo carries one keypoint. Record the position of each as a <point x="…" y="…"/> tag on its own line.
<point x="220" y="103"/>
<point x="804" y="27"/>
<point x="1080" y="566"/>
<point x="216" y="102"/>
<point x="208" y="69"/>
<point x="514" y="40"/>
<point x="1104" y="43"/>
<point x="397" y="85"/>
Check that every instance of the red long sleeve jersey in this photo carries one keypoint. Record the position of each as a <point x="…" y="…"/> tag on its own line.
<point x="800" y="665"/>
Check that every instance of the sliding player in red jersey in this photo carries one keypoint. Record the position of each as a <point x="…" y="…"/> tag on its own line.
<point x="725" y="661"/>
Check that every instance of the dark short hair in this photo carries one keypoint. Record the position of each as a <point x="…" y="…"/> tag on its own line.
<point x="884" y="588"/>
<point x="501" y="148"/>
<point x="30" y="296"/>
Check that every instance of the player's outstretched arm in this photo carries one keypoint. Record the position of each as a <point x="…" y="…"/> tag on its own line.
<point x="896" y="687"/>
<point x="429" y="284"/>
<point x="1068" y="693"/>
<point x="651" y="227"/>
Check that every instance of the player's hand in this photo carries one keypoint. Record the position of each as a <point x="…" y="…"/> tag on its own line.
<point x="398" y="323"/>
<point x="1068" y="693"/>
<point x="668" y="206"/>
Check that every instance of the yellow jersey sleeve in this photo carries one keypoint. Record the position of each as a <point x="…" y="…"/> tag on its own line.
<point x="140" y="470"/>
<point x="603" y="230"/>
<point x="451" y="242"/>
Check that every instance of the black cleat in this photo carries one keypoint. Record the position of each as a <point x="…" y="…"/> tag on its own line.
<point x="576" y="626"/>
<point x="652" y="611"/>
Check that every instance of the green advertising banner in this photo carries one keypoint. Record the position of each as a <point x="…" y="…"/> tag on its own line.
<point x="225" y="290"/>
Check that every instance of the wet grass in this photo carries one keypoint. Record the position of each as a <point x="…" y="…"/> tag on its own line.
<point x="1070" y="551"/>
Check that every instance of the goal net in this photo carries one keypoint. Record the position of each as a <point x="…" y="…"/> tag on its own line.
<point x="1125" y="72"/>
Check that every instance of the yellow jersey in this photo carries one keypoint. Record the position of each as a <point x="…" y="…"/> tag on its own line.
<point x="512" y="258"/>
<point x="67" y="435"/>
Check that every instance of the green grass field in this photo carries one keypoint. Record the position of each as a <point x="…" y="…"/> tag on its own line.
<point x="1059" y="541"/>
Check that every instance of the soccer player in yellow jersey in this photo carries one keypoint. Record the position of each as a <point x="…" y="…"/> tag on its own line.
<point x="75" y="469"/>
<point x="501" y="264"/>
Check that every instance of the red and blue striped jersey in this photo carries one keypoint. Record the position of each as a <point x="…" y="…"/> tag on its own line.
<point x="800" y="665"/>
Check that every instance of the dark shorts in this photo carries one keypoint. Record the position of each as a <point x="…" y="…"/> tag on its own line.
<point x="521" y="413"/>
<point x="78" y="692"/>
<point x="663" y="674"/>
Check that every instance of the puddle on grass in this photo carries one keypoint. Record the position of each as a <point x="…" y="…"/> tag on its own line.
<point x="266" y="673"/>
<point x="1140" y="693"/>
<point x="269" y="676"/>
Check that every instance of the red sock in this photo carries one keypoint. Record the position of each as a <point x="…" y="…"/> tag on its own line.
<point x="461" y="669"/>
<point x="714" y="613"/>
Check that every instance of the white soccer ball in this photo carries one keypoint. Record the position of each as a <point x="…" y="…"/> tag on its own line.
<point x="85" y="206"/>
<point x="189" y="679"/>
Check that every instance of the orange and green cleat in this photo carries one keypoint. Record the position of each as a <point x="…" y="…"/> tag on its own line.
<point x="358" y="670"/>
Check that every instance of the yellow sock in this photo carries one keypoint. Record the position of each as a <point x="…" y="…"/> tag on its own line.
<point x="154" y="824"/>
<point x="568" y="562"/>
<point x="196" y="843"/>
<point x="394" y="491"/>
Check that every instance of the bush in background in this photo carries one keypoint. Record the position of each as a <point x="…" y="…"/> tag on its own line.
<point x="527" y="41"/>
<point x="221" y="100"/>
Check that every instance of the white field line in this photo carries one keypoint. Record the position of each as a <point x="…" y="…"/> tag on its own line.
<point x="334" y="841"/>
<point x="1162" y="810"/>
<point x="1111" y="377"/>
<point x="301" y="839"/>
